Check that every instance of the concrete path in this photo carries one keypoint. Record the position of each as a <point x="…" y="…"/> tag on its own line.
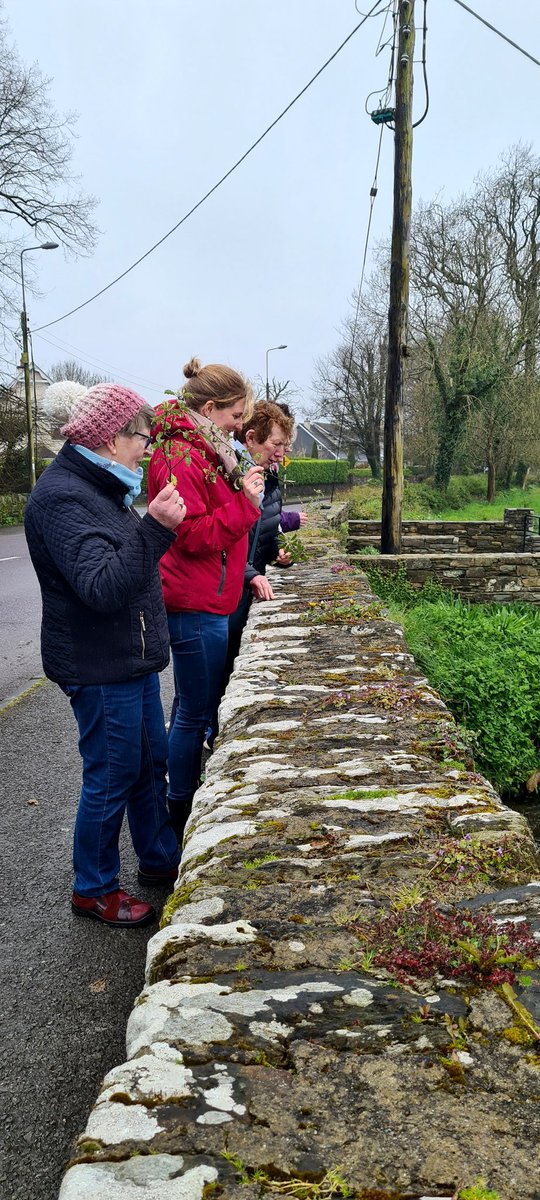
<point x="68" y="985"/>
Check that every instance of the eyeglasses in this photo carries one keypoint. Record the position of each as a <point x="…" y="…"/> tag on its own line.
<point x="146" y="436"/>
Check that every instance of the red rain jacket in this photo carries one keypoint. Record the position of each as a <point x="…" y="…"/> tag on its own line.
<point x="203" y="571"/>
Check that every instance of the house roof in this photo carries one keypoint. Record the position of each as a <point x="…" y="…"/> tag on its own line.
<point x="312" y="434"/>
<point x="41" y="375"/>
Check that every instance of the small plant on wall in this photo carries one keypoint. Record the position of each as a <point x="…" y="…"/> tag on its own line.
<point x="424" y="943"/>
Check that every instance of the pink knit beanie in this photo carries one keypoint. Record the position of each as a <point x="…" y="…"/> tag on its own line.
<point x="100" y="413"/>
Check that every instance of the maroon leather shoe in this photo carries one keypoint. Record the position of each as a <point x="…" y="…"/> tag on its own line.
<point x="158" y="878"/>
<point x="114" y="908"/>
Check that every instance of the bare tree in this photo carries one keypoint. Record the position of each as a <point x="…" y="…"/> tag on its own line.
<point x="69" y="368"/>
<point x="37" y="187"/>
<point x="475" y="274"/>
<point x="473" y="374"/>
<point x="279" y="389"/>
<point x="453" y="288"/>
<point x="349" y="384"/>
<point x="507" y="201"/>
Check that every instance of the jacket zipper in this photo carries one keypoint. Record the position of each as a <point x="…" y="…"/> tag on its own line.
<point x="251" y="555"/>
<point x="143" y="631"/>
<point x="223" y="572"/>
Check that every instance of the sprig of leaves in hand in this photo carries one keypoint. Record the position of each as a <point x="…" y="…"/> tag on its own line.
<point x="169" y="433"/>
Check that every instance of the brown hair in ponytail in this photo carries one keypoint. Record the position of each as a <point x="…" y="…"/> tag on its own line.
<point x="216" y="382"/>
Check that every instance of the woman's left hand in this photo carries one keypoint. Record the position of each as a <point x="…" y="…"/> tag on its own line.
<point x="168" y="507"/>
<point x="261" y="588"/>
<point x="283" y="559"/>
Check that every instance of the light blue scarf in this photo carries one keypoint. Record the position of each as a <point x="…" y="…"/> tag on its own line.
<point x="131" y="478"/>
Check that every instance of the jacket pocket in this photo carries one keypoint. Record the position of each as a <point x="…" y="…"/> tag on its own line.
<point x="143" y="632"/>
<point x="223" y="572"/>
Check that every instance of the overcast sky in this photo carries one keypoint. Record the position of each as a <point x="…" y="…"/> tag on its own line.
<point x="171" y="92"/>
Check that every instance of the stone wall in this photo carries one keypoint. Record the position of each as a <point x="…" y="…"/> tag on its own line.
<point x="513" y="535"/>
<point x="494" y="578"/>
<point x="410" y="544"/>
<point x="268" y="1053"/>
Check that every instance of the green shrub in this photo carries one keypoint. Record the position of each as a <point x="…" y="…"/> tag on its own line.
<point x="315" y="471"/>
<point x="394" y="588"/>
<point x="364" y="503"/>
<point x="460" y="491"/>
<point x="14" y="471"/>
<point x="463" y="500"/>
<point x="484" y="660"/>
<point x="360" y="472"/>
<point x="12" y="509"/>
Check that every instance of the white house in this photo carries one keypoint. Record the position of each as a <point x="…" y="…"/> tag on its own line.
<point x="48" y="440"/>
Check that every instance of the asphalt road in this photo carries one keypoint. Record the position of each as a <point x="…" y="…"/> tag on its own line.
<point x="20" y="606"/>
<point x="67" y="984"/>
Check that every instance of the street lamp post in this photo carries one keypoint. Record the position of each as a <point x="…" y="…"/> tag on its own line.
<point x="26" y="366"/>
<point x="284" y="347"/>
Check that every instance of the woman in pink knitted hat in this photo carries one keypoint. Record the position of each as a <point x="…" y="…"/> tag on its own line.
<point x="104" y="636"/>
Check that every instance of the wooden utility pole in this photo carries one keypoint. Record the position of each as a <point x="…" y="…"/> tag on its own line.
<point x="399" y="286"/>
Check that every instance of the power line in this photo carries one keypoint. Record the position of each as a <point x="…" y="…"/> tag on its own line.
<point x="96" y="363"/>
<point x="498" y="32"/>
<point x="346" y="397"/>
<point x="239" y="161"/>
<point x="424" y="69"/>
<point x="373" y="195"/>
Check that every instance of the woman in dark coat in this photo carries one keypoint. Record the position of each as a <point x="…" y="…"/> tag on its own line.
<point x="104" y="637"/>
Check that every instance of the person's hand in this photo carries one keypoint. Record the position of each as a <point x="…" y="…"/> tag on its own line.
<point x="303" y="517"/>
<point x="261" y="588"/>
<point x="168" y="507"/>
<point x="253" y="484"/>
<point x="283" y="559"/>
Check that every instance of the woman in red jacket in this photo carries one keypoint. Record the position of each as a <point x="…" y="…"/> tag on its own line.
<point x="203" y="571"/>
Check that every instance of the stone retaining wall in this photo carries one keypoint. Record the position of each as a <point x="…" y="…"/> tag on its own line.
<point x="268" y="1053"/>
<point x="410" y="544"/>
<point x="512" y="535"/>
<point x="494" y="578"/>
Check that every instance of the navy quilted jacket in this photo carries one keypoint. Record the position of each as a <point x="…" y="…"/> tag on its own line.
<point x="104" y="620"/>
<point x="263" y="539"/>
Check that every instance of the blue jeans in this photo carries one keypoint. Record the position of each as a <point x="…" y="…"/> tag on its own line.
<point x="123" y="744"/>
<point x="199" y="649"/>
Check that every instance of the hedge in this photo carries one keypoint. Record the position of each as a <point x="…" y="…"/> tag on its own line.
<point x="12" y="508"/>
<point x="299" y="471"/>
<point x="144" y="481"/>
<point x="315" y="471"/>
